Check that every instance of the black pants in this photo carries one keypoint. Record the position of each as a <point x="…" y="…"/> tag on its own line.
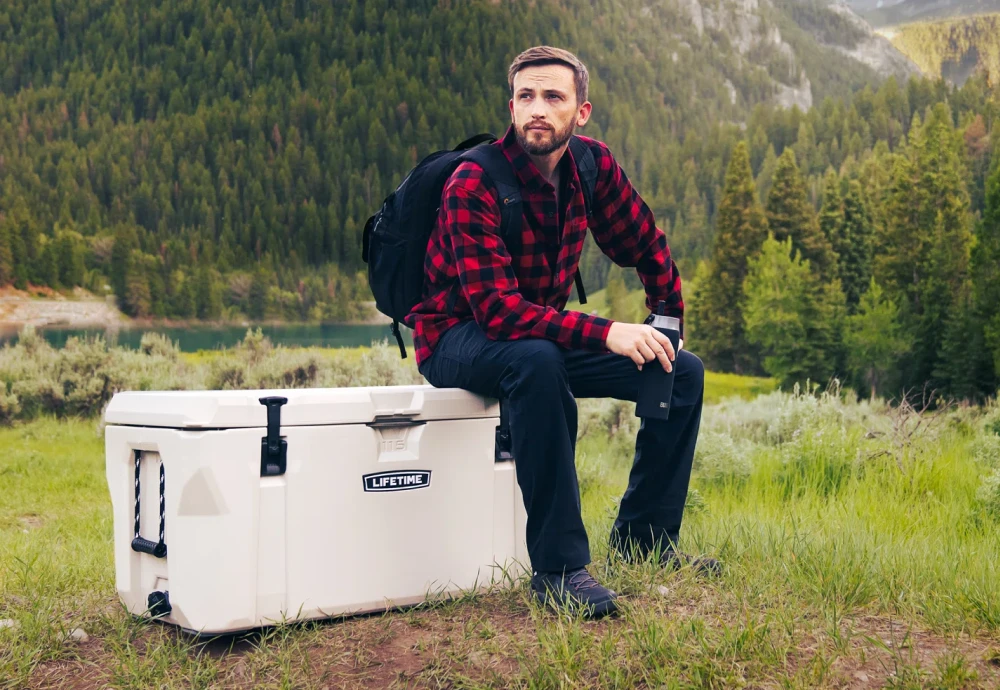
<point x="539" y="382"/>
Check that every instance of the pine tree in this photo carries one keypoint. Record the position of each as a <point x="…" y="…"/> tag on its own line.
<point x="138" y="301"/>
<point x="831" y="213"/>
<point x="791" y="316"/>
<point x="258" y="295"/>
<point x="18" y="256"/>
<point x="947" y="202"/>
<point x="923" y="257"/>
<point x="790" y="215"/>
<point x="856" y="246"/>
<point x="766" y="175"/>
<point x="126" y="242"/>
<point x="49" y="265"/>
<point x="740" y="230"/>
<point x="185" y="305"/>
<point x="690" y="237"/>
<point x="985" y="268"/>
<point x="965" y="368"/>
<point x="207" y="297"/>
<point x="875" y="339"/>
<point x="71" y="262"/>
<point x="6" y="256"/>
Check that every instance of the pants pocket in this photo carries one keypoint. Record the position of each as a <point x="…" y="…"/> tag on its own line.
<point x="463" y="342"/>
<point x="451" y="363"/>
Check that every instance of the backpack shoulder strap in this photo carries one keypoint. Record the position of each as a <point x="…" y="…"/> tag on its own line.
<point x="586" y="168"/>
<point x="499" y="170"/>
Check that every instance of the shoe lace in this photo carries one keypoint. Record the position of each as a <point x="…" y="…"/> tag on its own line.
<point x="582" y="580"/>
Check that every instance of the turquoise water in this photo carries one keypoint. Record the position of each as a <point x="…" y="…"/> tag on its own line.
<point x="196" y="338"/>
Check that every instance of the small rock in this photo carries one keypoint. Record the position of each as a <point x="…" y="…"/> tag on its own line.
<point x="478" y="659"/>
<point x="992" y="656"/>
<point x="8" y="623"/>
<point x="861" y="675"/>
<point x="663" y="590"/>
<point x="78" y="635"/>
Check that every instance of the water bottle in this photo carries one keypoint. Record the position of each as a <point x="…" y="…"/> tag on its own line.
<point x="656" y="385"/>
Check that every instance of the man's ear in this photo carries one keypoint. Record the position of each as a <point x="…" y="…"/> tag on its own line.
<point x="510" y="106"/>
<point x="583" y="114"/>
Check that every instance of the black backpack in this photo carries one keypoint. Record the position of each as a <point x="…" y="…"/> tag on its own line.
<point x="394" y="242"/>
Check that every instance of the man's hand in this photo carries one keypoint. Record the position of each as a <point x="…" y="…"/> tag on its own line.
<point x="640" y="343"/>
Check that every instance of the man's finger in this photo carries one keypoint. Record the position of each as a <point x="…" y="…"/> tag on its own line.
<point x="665" y="343"/>
<point x="637" y="358"/>
<point x="661" y="354"/>
<point x="659" y="351"/>
<point x="647" y="350"/>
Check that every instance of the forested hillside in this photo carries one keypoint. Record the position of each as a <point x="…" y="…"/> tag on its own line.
<point x="210" y="160"/>
<point x="881" y="13"/>
<point x="885" y="273"/>
<point x="206" y="161"/>
<point x="954" y="49"/>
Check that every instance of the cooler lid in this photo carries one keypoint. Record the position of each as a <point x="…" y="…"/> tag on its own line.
<point x="306" y="406"/>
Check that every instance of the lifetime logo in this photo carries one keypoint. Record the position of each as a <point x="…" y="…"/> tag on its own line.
<point x="399" y="480"/>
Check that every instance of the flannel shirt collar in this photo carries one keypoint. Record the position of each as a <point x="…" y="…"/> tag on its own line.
<point x="527" y="173"/>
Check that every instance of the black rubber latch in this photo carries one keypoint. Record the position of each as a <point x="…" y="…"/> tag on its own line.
<point x="502" y="448"/>
<point x="158" y="549"/>
<point x="158" y="604"/>
<point x="273" y="448"/>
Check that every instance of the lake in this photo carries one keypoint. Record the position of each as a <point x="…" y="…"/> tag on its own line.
<point x="194" y="338"/>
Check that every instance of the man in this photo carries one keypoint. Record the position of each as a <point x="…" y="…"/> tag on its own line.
<point x="492" y="322"/>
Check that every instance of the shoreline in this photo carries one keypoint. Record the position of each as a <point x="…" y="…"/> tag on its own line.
<point x="83" y="310"/>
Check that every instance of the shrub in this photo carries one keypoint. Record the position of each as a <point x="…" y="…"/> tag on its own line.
<point x="158" y="345"/>
<point x="988" y="495"/>
<point x="719" y="458"/>
<point x="10" y="407"/>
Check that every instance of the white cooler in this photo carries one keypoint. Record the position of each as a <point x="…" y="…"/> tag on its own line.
<point x="240" y="509"/>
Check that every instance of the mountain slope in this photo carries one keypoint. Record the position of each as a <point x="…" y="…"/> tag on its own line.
<point x="881" y="13"/>
<point x="953" y="48"/>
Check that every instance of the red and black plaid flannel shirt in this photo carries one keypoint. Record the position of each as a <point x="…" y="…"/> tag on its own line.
<point x="521" y="294"/>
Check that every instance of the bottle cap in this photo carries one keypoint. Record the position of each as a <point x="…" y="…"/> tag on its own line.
<point x="670" y="322"/>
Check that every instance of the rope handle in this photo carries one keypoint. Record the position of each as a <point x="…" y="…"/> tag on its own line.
<point x="158" y="549"/>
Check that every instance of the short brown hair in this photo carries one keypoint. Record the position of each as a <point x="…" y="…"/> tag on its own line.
<point x="547" y="55"/>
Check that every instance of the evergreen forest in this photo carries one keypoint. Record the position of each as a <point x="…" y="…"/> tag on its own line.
<point x="209" y="161"/>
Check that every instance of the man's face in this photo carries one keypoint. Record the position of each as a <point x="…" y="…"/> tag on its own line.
<point x="544" y="108"/>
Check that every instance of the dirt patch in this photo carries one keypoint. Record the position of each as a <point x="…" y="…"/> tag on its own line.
<point x="494" y="640"/>
<point x="31" y="521"/>
<point x="82" y="673"/>
<point x="82" y="309"/>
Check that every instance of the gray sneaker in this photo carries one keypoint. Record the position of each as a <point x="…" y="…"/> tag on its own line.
<point x="574" y="591"/>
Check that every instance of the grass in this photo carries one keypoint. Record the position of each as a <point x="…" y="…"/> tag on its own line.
<point x="857" y="556"/>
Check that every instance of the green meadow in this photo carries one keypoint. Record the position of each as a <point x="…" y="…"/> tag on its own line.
<point x="861" y="544"/>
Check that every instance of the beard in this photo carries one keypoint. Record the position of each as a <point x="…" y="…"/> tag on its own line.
<point x="554" y="139"/>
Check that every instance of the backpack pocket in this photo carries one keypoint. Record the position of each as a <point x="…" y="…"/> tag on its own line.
<point x="387" y="267"/>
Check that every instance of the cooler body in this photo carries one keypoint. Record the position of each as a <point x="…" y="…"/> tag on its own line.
<point x="376" y="498"/>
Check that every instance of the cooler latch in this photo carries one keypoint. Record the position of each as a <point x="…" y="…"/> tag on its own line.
<point x="502" y="448"/>
<point x="273" y="447"/>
